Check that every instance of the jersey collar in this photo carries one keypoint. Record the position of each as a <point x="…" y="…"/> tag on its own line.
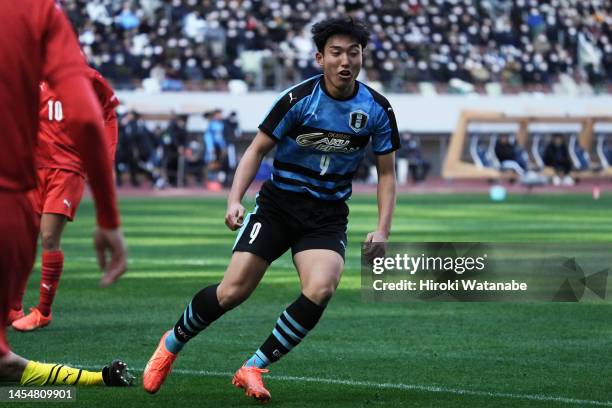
<point x="351" y="96"/>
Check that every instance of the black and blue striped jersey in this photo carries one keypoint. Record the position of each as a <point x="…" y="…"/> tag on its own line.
<point x="321" y="140"/>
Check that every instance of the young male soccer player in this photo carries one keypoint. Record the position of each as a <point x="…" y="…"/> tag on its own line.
<point x="36" y="43"/>
<point x="61" y="180"/>
<point x="320" y="128"/>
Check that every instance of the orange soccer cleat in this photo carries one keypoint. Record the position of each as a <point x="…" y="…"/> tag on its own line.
<point x="32" y="321"/>
<point x="14" y="315"/>
<point x="249" y="379"/>
<point x="158" y="367"/>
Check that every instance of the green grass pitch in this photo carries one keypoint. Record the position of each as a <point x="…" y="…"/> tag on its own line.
<point x="361" y="354"/>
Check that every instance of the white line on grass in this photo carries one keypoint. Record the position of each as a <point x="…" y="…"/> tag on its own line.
<point x="203" y="261"/>
<point x="406" y="387"/>
<point x="410" y="387"/>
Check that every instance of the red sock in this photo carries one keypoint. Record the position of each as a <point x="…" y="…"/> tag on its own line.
<point x="52" y="265"/>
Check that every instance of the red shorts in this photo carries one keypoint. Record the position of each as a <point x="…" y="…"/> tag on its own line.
<point x="58" y="192"/>
<point x="18" y="232"/>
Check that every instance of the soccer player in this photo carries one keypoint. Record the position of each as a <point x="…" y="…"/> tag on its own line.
<point x="61" y="180"/>
<point x="37" y="43"/>
<point x="320" y="129"/>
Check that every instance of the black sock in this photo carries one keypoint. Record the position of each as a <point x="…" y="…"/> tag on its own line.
<point x="291" y="328"/>
<point x="203" y="309"/>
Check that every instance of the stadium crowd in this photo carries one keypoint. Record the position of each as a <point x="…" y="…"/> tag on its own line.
<point x="192" y="44"/>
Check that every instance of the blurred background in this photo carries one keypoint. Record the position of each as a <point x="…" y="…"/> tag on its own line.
<point x="497" y="101"/>
<point x="196" y="77"/>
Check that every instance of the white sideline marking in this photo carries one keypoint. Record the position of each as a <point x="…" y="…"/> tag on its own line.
<point x="409" y="387"/>
<point x="191" y="261"/>
<point x="399" y="386"/>
<point x="185" y="261"/>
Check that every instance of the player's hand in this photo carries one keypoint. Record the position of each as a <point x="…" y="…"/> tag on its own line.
<point x="234" y="216"/>
<point x="111" y="241"/>
<point x="375" y="245"/>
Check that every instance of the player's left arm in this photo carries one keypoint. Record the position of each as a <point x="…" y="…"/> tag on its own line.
<point x="385" y="141"/>
<point x="386" y="195"/>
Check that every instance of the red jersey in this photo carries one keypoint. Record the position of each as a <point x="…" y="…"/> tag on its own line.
<point x="56" y="149"/>
<point x="36" y="43"/>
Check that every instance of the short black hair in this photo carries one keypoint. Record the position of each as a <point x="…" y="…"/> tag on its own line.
<point x="341" y="25"/>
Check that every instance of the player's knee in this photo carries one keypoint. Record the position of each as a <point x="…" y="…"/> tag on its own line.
<point x="320" y="293"/>
<point x="49" y="241"/>
<point x="230" y="296"/>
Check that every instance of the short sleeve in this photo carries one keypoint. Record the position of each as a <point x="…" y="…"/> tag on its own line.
<point x="385" y="138"/>
<point x="283" y="116"/>
<point x="286" y="112"/>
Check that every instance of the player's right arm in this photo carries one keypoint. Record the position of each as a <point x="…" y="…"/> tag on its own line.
<point x="65" y="70"/>
<point x="247" y="168"/>
<point x="284" y="114"/>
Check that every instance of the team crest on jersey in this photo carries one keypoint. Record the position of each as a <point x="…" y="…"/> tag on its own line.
<point x="358" y="120"/>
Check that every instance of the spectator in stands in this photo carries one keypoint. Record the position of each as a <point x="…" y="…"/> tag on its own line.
<point x="607" y="152"/>
<point x="231" y="127"/>
<point x="147" y="143"/>
<point x="556" y="155"/>
<point x="510" y="155"/>
<point x="215" y="155"/>
<point x="173" y="141"/>
<point x="127" y="150"/>
<point x="417" y="165"/>
<point x="194" y="159"/>
<point x="527" y="43"/>
<point x="136" y="152"/>
<point x="126" y="18"/>
<point x="232" y="134"/>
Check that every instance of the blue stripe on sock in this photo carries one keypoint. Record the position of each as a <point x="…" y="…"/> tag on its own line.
<point x="187" y="325"/>
<point x="262" y="357"/>
<point x="280" y="338"/>
<point x="294" y="323"/>
<point x="193" y="321"/>
<point x="287" y="330"/>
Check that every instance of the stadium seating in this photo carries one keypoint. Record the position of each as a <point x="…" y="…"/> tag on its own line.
<point x="459" y="45"/>
<point x="484" y="165"/>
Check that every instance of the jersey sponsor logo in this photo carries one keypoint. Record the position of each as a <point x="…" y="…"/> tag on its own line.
<point x="358" y="120"/>
<point x="326" y="142"/>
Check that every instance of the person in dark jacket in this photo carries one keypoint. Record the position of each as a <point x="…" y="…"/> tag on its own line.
<point x="556" y="155"/>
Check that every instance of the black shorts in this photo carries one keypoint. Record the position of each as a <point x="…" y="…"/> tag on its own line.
<point x="284" y="219"/>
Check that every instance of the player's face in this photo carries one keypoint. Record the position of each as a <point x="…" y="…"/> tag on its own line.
<point x="341" y="61"/>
